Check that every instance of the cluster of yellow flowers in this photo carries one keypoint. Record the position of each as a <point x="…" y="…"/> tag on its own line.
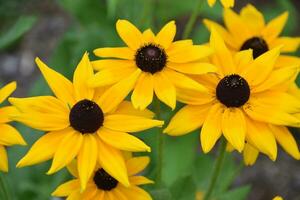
<point x="239" y="85"/>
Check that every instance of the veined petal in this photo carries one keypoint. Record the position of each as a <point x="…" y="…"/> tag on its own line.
<point x="115" y="52"/>
<point x="3" y="159"/>
<point x="129" y="123"/>
<point x="286" y="140"/>
<point x="183" y="81"/>
<point x="61" y="87"/>
<point x="136" y="165"/>
<point x="126" y="108"/>
<point x="211" y="130"/>
<point x="189" y="53"/>
<point x="123" y="141"/>
<point x="67" y="188"/>
<point x="129" y="34"/>
<point x="194" y="115"/>
<point x="253" y="18"/>
<point x="222" y="53"/>
<point x="67" y="150"/>
<point x="164" y="89"/>
<point x="260" y="136"/>
<point x="289" y="44"/>
<point x="113" y="162"/>
<point x="44" y="148"/>
<point x="7" y="113"/>
<point x="87" y="158"/>
<point x="140" y="180"/>
<point x="7" y="90"/>
<point x="106" y="64"/>
<point x="110" y="76"/>
<point x="117" y="93"/>
<point x="275" y="27"/>
<point x="229" y="40"/>
<point x="10" y="136"/>
<point x="166" y="35"/>
<point x="193" y="67"/>
<point x="250" y="154"/>
<point x="261" y="67"/>
<point x="143" y="92"/>
<point x="234" y="127"/>
<point x="177" y="46"/>
<point x="83" y="72"/>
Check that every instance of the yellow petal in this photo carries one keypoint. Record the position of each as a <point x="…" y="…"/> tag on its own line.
<point x="166" y="35"/>
<point x="135" y="193"/>
<point x="143" y="92"/>
<point x="72" y="168"/>
<point x="10" y="136"/>
<point x="182" y="81"/>
<point x="189" y="53"/>
<point x="113" y="162"/>
<point x="129" y="34"/>
<point x="122" y="141"/>
<point x="260" y="136"/>
<point x="211" y="3"/>
<point x="140" y="180"/>
<point x="116" y="194"/>
<point x="286" y="140"/>
<point x="194" y="115"/>
<point x="3" y="159"/>
<point x="7" y="113"/>
<point x="164" y="89"/>
<point x="148" y="36"/>
<point x="234" y="132"/>
<point x="193" y="98"/>
<point x="115" y="52"/>
<point x="117" y="93"/>
<point x="129" y="123"/>
<point x="136" y="165"/>
<point x="278" y="198"/>
<point x="193" y="67"/>
<point x="126" y="108"/>
<point x="227" y="3"/>
<point x="83" y="72"/>
<point x="222" y="53"/>
<point x="106" y="64"/>
<point x="242" y="59"/>
<point x="285" y="60"/>
<point x="67" y="150"/>
<point x="61" y="87"/>
<point x="275" y="27"/>
<point x="7" y="90"/>
<point x="66" y="188"/>
<point x="228" y="38"/>
<point x="289" y="44"/>
<point x="211" y="129"/>
<point x="87" y="158"/>
<point x="250" y="154"/>
<point x="261" y="67"/>
<point x="177" y="46"/>
<point x="253" y="18"/>
<point x="43" y="149"/>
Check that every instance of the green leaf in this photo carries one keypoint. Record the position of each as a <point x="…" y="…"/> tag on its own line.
<point x="236" y="194"/>
<point x="22" y="25"/>
<point x="184" y="189"/>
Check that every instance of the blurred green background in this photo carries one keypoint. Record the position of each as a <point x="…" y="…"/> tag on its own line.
<point x="59" y="32"/>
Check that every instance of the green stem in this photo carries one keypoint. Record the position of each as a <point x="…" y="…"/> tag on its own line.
<point x="160" y="148"/>
<point x="3" y="188"/>
<point x="188" y="28"/>
<point x="217" y="170"/>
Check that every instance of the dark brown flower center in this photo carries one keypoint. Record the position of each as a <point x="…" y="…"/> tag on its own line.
<point x="86" y="116"/>
<point x="104" y="181"/>
<point x="257" y="44"/>
<point x="233" y="91"/>
<point x="151" y="58"/>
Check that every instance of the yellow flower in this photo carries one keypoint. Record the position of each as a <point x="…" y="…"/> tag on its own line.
<point x="278" y="198"/>
<point x="102" y="186"/>
<point x="81" y="125"/>
<point x="246" y="98"/>
<point x="150" y="64"/>
<point x="9" y="135"/>
<point x="248" y="30"/>
<point x="225" y="3"/>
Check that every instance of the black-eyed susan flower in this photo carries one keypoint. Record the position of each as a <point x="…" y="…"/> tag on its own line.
<point x="150" y="64"/>
<point x="81" y="125"/>
<point x="102" y="185"/>
<point x="248" y="30"/>
<point x="9" y="135"/>
<point x="225" y="3"/>
<point x="246" y="98"/>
